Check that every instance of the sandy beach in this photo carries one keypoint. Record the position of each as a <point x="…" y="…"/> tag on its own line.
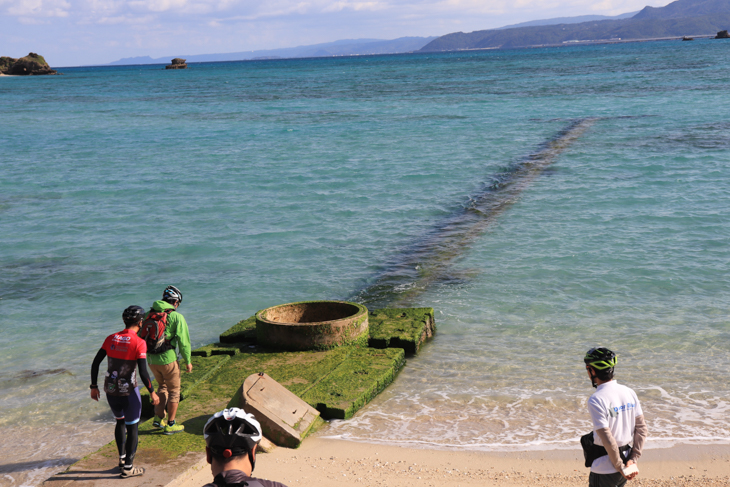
<point x="327" y="462"/>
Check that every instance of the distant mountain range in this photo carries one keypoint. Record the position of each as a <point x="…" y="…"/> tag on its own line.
<point x="569" y="20"/>
<point x="680" y="18"/>
<point x="350" y="47"/>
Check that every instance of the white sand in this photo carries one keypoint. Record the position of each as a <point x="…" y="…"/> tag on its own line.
<point x="326" y="462"/>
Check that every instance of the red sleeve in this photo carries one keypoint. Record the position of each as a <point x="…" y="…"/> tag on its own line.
<point x="141" y="349"/>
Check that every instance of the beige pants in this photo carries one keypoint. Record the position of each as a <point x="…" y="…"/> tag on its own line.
<point x="168" y="385"/>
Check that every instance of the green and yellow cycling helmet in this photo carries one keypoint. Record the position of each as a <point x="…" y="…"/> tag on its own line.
<point x="600" y="358"/>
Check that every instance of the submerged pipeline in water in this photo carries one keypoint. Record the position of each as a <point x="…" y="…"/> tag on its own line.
<point x="428" y="260"/>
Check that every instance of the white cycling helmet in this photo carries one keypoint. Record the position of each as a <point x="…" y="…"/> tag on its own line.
<point x="232" y="432"/>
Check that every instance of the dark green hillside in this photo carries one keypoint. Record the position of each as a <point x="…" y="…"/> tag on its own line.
<point x="708" y="17"/>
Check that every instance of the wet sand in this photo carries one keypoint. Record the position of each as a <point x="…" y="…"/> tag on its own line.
<point x="327" y="462"/>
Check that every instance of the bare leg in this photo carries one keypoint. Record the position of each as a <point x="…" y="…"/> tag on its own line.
<point x="160" y="408"/>
<point x="161" y="392"/>
<point x="171" y="411"/>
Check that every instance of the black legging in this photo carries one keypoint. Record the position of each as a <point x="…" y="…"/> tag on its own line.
<point x="126" y="437"/>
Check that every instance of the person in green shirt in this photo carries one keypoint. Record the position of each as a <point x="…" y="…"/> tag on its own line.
<point x="164" y="364"/>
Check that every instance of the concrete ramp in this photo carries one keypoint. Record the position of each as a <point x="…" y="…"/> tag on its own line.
<point x="285" y="418"/>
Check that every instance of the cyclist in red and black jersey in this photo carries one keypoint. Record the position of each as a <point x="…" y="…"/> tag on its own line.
<point x="125" y="351"/>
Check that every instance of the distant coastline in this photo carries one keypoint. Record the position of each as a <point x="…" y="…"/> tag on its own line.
<point x="355" y="47"/>
<point x="469" y="49"/>
<point x="682" y="18"/>
<point x="474" y="49"/>
<point x="583" y="43"/>
<point x="691" y="18"/>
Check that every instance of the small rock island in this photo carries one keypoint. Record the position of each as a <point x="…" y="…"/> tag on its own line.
<point x="30" y="65"/>
<point x="177" y="63"/>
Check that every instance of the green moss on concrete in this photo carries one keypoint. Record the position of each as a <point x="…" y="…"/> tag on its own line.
<point x="202" y="371"/>
<point x="297" y="371"/>
<point x="405" y="328"/>
<point x="242" y="332"/>
<point x="362" y="340"/>
<point x="156" y="447"/>
<point x="317" y="425"/>
<point x="355" y="382"/>
<point x="219" y="349"/>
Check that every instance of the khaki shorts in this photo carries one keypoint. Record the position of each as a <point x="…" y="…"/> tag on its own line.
<point x="168" y="381"/>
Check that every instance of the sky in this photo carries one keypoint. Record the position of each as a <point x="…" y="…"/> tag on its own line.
<point x="86" y="32"/>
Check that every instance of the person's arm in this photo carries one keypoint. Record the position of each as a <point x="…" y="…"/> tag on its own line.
<point x="609" y="443"/>
<point x="640" y="433"/>
<point x="183" y="340"/>
<point x="144" y="375"/>
<point x="95" y="373"/>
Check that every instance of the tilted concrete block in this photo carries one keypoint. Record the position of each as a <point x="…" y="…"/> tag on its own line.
<point x="285" y="418"/>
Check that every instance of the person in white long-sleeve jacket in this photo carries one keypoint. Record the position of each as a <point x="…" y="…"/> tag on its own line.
<point x="618" y="422"/>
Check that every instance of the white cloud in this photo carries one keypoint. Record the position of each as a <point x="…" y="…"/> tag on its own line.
<point x="159" y="5"/>
<point x="219" y="10"/>
<point x="39" y="8"/>
<point x="269" y="11"/>
<point x="33" y="21"/>
<point x="356" y="6"/>
<point x="126" y="19"/>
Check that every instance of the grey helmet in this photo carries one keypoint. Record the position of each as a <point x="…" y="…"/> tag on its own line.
<point x="171" y="294"/>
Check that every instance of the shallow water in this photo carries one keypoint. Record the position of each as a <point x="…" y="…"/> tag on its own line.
<point x="258" y="183"/>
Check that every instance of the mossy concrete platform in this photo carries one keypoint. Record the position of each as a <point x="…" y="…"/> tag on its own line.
<point x="336" y="382"/>
<point x="406" y="328"/>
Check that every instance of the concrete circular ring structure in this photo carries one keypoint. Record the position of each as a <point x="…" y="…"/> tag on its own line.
<point x="312" y="325"/>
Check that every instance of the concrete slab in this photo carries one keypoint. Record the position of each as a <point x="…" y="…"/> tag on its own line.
<point x="96" y="471"/>
<point x="242" y="332"/>
<point x="285" y="418"/>
<point x="406" y="328"/>
<point x="355" y="382"/>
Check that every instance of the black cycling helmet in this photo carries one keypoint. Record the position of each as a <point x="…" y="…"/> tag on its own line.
<point x="600" y="358"/>
<point x="133" y="315"/>
<point x="172" y="294"/>
<point x="232" y="432"/>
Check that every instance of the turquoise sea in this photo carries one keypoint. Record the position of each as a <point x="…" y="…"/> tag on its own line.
<point x="251" y="184"/>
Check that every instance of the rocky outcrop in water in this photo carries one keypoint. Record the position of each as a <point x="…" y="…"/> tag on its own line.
<point x="30" y="65"/>
<point x="5" y="63"/>
<point x="722" y="35"/>
<point x="177" y="63"/>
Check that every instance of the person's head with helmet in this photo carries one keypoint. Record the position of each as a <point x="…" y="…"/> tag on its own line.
<point x="133" y="316"/>
<point x="599" y="364"/>
<point x="231" y="438"/>
<point x="172" y="295"/>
